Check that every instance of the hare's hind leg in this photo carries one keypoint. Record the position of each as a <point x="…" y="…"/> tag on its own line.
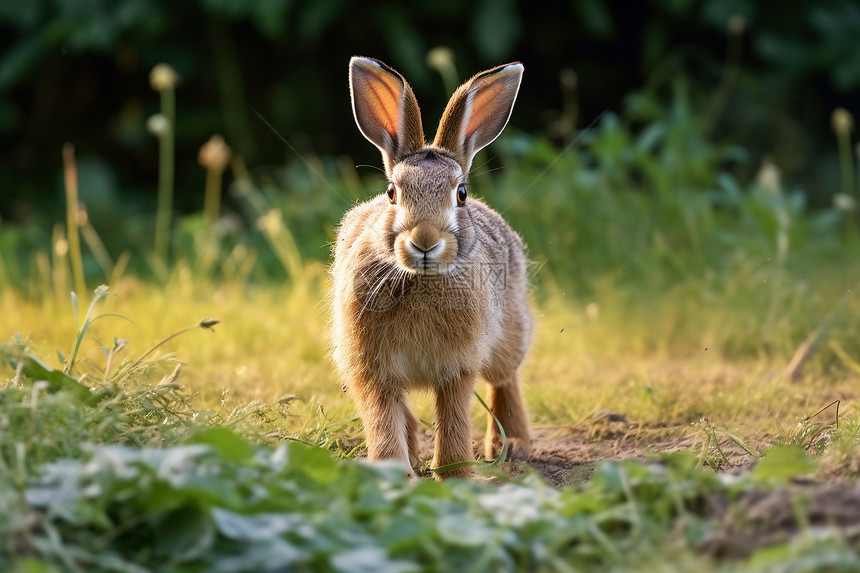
<point x="413" y="427"/>
<point x="454" y="426"/>
<point x="386" y="419"/>
<point x="505" y="400"/>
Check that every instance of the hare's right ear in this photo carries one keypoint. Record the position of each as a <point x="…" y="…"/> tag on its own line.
<point x="385" y="110"/>
<point x="478" y="112"/>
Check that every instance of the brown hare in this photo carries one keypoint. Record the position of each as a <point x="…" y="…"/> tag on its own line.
<point x="430" y="287"/>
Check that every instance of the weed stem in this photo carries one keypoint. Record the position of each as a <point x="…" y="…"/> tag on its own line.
<point x="206" y="323"/>
<point x="72" y="235"/>
<point x="165" y="175"/>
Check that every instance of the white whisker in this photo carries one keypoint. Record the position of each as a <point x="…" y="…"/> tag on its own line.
<point x="386" y="276"/>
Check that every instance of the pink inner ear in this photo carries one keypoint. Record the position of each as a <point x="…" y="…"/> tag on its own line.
<point x="484" y="104"/>
<point x="380" y="93"/>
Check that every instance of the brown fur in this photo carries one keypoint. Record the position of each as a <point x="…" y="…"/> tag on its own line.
<point x="428" y="293"/>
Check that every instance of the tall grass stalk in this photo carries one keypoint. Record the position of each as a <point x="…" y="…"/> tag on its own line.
<point x="206" y="323"/>
<point x="57" y="268"/>
<point x="72" y="234"/>
<point x="95" y="243"/>
<point x="283" y="243"/>
<point x="441" y="59"/>
<point x="5" y="281"/>
<point x="214" y="156"/>
<point x="271" y="223"/>
<point x="165" y="176"/>
<point x="857" y="157"/>
<point x="99" y="294"/>
<point x="212" y="199"/>
<point x="163" y="79"/>
<point x="843" y="124"/>
<point x="4" y="276"/>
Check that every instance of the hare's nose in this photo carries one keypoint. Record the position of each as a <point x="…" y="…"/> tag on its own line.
<point x="423" y="249"/>
<point x="424" y="238"/>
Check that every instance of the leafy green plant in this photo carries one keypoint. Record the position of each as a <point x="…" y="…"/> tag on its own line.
<point x="814" y="433"/>
<point x="711" y="452"/>
<point x="121" y="405"/>
<point x="783" y="463"/>
<point x="219" y="502"/>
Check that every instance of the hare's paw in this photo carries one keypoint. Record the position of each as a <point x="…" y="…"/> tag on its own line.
<point x="519" y="449"/>
<point x="465" y="471"/>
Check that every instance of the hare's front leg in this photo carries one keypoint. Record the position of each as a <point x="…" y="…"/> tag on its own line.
<point x="454" y="426"/>
<point x="387" y="420"/>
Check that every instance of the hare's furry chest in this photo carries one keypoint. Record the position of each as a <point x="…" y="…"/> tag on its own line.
<point x="414" y="330"/>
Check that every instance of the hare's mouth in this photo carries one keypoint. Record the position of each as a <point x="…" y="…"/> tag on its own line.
<point x="424" y="259"/>
<point x="424" y="264"/>
<point x="429" y="269"/>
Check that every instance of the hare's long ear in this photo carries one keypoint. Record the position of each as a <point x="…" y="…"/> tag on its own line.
<point x="385" y="110"/>
<point x="478" y="112"/>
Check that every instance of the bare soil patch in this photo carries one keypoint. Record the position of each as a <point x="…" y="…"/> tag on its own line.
<point x="759" y="519"/>
<point x="568" y="455"/>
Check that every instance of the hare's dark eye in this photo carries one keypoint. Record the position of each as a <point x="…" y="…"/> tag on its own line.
<point x="461" y="194"/>
<point x="392" y="193"/>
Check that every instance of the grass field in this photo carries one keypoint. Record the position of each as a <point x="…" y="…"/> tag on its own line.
<point x="663" y="359"/>
<point x="656" y="371"/>
<point x="670" y="302"/>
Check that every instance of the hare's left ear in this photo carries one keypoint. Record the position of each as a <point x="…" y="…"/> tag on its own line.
<point x="478" y="112"/>
<point x="385" y="110"/>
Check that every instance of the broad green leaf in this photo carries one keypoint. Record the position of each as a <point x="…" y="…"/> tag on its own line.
<point x="272" y="555"/>
<point x="370" y="560"/>
<point x="783" y="463"/>
<point x="463" y="531"/>
<point x="184" y="535"/>
<point x="406" y="531"/>
<point x="227" y="443"/>
<point x="316" y="463"/>
<point x="370" y="499"/>
<point x="255" y="528"/>
<point x="58" y="381"/>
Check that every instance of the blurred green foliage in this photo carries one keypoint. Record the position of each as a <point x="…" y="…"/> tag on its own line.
<point x="686" y="101"/>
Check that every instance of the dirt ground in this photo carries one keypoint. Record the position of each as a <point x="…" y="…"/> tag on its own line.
<point x="568" y="455"/>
